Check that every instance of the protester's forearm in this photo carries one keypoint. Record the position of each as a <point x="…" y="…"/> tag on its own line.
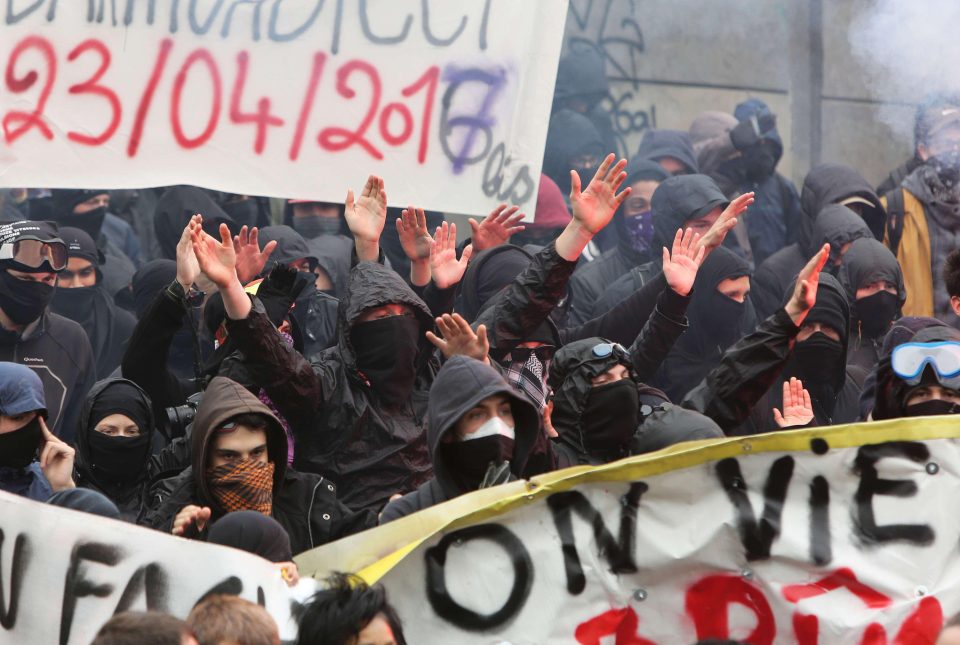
<point x="236" y="303"/>
<point x="572" y="241"/>
<point x="420" y="273"/>
<point x="367" y="250"/>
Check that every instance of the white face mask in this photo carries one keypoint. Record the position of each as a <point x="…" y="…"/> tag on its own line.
<point x="492" y="427"/>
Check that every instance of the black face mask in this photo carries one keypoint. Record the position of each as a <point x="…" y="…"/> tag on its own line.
<point x="947" y="166"/>
<point x="819" y="362"/>
<point x="759" y="162"/>
<point x="23" y="300"/>
<point x="118" y="459"/>
<point x="609" y="419"/>
<point x="75" y="304"/>
<point x="731" y="175"/>
<point x="386" y="352"/>
<point x="18" y="448"/>
<point x="932" y="408"/>
<point x="243" y="212"/>
<point x="726" y="319"/>
<point x="90" y="222"/>
<point x="876" y="312"/>
<point x="469" y="461"/>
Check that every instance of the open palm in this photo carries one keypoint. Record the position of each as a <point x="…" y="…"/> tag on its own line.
<point x="594" y="207"/>
<point x="445" y="268"/>
<point x="680" y="267"/>
<point x="217" y="259"/>
<point x="366" y="216"/>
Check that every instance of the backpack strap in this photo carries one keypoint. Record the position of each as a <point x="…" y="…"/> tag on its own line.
<point x="895" y="216"/>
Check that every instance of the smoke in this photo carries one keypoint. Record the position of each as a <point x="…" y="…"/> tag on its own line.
<point x="908" y="50"/>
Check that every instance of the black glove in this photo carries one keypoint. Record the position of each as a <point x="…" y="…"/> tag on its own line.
<point x="280" y="289"/>
<point x="749" y="132"/>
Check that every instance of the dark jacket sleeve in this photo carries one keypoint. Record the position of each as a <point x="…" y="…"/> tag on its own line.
<point x="86" y="377"/>
<point x="526" y="302"/>
<point x="289" y="379"/>
<point x="351" y="521"/>
<point x="406" y="505"/>
<point x="747" y="370"/>
<point x="439" y="301"/>
<point x="145" y="360"/>
<point x="661" y="330"/>
<point x="623" y="323"/>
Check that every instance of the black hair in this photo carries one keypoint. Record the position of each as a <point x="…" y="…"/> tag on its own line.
<point x="951" y="273"/>
<point x="253" y="420"/>
<point x="337" y="615"/>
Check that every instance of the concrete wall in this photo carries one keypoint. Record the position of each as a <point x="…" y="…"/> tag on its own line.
<point x="669" y="60"/>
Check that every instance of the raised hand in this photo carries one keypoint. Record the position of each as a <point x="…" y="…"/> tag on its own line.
<point x="594" y="207"/>
<point x="191" y="515"/>
<point x="445" y="268"/>
<point x="56" y="460"/>
<point x="725" y="223"/>
<point x="250" y="259"/>
<point x="414" y="236"/>
<point x="797" y="408"/>
<point x="367" y="215"/>
<point x="187" y="267"/>
<point x="217" y="260"/>
<point x="680" y="267"/>
<point x="496" y="228"/>
<point x="459" y="338"/>
<point x="805" y="292"/>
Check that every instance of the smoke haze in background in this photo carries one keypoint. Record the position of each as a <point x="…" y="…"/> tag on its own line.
<point x="908" y="50"/>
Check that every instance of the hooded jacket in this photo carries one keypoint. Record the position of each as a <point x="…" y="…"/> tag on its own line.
<point x="460" y="385"/>
<point x="676" y="201"/>
<point x="108" y="327"/>
<point x="710" y="136"/>
<point x="741" y="392"/>
<point x="570" y="134"/>
<point x="866" y="262"/>
<point x="775" y="213"/>
<point x="571" y="374"/>
<point x="58" y="350"/>
<point x="304" y="504"/>
<point x="341" y="431"/>
<point x="21" y="392"/>
<point x="700" y="348"/>
<point x="590" y="280"/>
<point x="174" y="211"/>
<point x="891" y="390"/>
<point x="660" y="143"/>
<point x="127" y="497"/>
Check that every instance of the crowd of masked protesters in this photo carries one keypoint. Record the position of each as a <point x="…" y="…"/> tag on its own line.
<point x="276" y="376"/>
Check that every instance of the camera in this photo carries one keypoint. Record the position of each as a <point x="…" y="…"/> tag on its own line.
<point x="180" y="417"/>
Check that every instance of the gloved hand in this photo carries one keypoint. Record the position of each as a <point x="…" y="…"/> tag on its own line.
<point x="280" y="289"/>
<point x="748" y="133"/>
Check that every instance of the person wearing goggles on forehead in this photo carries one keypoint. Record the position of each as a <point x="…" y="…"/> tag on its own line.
<point x="920" y="377"/>
<point x="32" y="255"/>
<point x="601" y="411"/>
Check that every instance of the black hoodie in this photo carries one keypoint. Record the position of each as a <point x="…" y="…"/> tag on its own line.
<point x="174" y="211"/>
<point x="591" y="279"/>
<point x="570" y="134"/>
<point x="676" y="201"/>
<point x="341" y="430"/>
<point x="657" y="144"/>
<point x="868" y="261"/>
<point x="304" y="504"/>
<point x="128" y="496"/>
<point x="742" y="391"/>
<point x="460" y="385"/>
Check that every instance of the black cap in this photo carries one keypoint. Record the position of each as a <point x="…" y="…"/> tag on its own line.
<point x="81" y="245"/>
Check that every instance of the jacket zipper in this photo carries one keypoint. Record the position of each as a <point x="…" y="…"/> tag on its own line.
<point x="313" y="496"/>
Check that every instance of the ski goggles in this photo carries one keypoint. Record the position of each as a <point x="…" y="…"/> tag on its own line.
<point x="605" y="349"/>
<point x="910" y="359"/>
<point x="33" y="253"/>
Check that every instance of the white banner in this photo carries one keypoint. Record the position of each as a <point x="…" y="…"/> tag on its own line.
<point x="64" y="573"/>
<point x="802" y="537"/>
<point x="448" y="101"/>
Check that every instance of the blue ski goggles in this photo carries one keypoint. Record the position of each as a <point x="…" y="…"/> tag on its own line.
<point x="910" y="359"/>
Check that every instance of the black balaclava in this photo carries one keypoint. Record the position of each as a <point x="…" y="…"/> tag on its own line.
<point x="65" y="200"/>
<point x="119" y="459"/>
<point x="471" y="461"/>
<point x="569" y="136"/>
<point x="244" y="212"/>
<point x="19" y="448"/>
<point x="610" y="418"/>
<point x="253" y="532"/>
<point x="868" y="261"/>
<point x="152" y="278"/>
<point x="386" y="351"/>
<point x="819" y="361"/>
<point x="23" y="300"/>
<point x="87" y="306"/>
<point x="716" y="321"/>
